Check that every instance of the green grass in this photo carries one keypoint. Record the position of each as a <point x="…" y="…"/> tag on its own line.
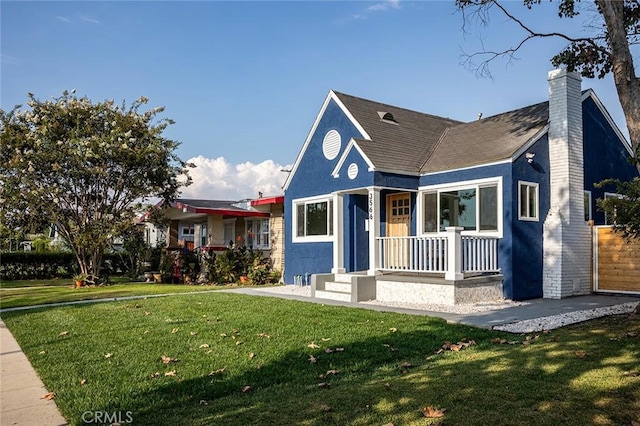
<point x="542" y="383"/>
<point x="58" y="292"/>
<point x="54" y="282"/>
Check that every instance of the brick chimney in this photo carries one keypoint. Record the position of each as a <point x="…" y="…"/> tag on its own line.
<point x="567" y="240"/>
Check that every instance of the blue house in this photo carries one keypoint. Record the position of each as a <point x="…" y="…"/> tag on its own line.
<point x="398" y="205"/>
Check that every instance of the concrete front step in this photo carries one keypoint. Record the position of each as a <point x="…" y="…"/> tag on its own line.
<point x="333" y="295"/>
<point x="340" y="287"/>
<point x="342" y="278"/>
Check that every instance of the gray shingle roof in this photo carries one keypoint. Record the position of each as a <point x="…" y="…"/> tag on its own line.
<point x="421" y="142"/>
<point x="488" y="140"/>
<point x="402" y="146"/>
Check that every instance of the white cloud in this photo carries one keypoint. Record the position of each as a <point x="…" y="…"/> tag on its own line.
<point x="378" y="7"/>
<point x="216" y="179"/>
<point x="64" y="19"/>
<point x="390" y="4"/>
<point x="93" y="21"/>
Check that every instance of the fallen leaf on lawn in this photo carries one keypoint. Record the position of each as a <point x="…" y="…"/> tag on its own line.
<point x="239" y="342"/>
<point x="167" y="359"/>
<point x="499" y="340"/>
<point x="329" y="351"/>
<point x="326" y="339"/>
<point x="252" y="355"/>
<point x="331" y="373"/>
<point x="266" y="336"/>
<point x="433" y="413"/>
<point x="455" y="347"/>
<point x="83" y="381"/>
<point x="218" y="371"/>
<point x="246" y="389"/>
<point x="204" y="402"/>
<point x="194" y="333"/>
<point x="109" y="355"/>
<point x="170" y="373"/>
<point x="631" y="374"/>
<point x="324" y="407"/>
<point x="631" y="334"/>
<point x="387" y="385"/>
<point x="174" y="331"/>
<point x="223" y="334"/>
<point x="313" y="359"/>
<point x="313" y="346"/>
<point x="147" y="313"/>
<point x="236" y="331"/>
<point x="393" y="329"/>
<point x="323" y="385"/>
<point x="146" y="332"/>
<point x="48" y="396"/>
<point x="339" y="349"/>
<point x="580" y="354"/>
<point x="63" y="333"/>
<point x="218" y="319"/>
<point x="42" y="352"/>
<point x="406" y="365"/>
<point x="204" y="345"/>
<point x="156" y="374"/>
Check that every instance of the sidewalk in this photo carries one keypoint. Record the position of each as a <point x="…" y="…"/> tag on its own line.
<point x="21" y="389"/>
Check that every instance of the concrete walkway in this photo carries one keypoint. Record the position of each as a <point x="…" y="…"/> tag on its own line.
<point x="535" y="308"/>
<point x="21" y="390"/>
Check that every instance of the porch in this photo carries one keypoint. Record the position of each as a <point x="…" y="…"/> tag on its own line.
<point x="445" y="269"/>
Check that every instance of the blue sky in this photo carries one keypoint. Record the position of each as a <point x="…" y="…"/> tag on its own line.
<point x="244" y="80"/>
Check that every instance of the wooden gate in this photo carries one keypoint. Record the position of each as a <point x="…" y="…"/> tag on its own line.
<point x="616" y="262"/>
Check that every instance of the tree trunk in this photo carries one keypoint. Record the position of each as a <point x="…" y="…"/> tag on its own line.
<point x="624" y="76"/>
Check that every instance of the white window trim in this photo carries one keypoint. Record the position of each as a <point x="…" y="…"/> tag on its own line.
<point x="537" y="189"/>
<point x="453" y="186"/>
<point x="294" y="220"/>
<point x="588" y="193"/>
<point x="189" y="226"/>
<point x="255" y="246"/>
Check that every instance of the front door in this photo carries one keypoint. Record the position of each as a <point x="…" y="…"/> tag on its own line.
<point x="398" y="225"/>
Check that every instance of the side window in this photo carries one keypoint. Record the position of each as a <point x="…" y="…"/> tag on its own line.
<point x="528" y="201"/>
<point x="587" y="206"/>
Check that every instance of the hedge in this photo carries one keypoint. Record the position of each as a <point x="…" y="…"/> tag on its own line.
<point x="30" y="265"/>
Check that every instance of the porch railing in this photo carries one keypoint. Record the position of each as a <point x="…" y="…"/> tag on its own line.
<point x="413" y="254"/>
<point x="450" y="254"/>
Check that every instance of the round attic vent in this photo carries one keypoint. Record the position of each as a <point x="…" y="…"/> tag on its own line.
<point x="331" y="144"/>
<point x="352" y="171"/>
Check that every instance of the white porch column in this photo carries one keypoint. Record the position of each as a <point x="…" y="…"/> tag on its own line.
<point x="197" y="236"/>
<point x="454" y="253"/>
<point x="338" y="235"/>
<point x="374" y="229"/>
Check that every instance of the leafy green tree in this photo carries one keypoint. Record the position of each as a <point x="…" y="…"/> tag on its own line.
<point x="623" y="211"/>
<point x="84" y="167"/>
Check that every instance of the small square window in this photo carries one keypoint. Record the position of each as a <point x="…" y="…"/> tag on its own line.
<point x="528" y="201"/>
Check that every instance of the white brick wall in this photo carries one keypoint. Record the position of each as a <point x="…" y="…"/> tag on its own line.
<point x="567" y="240"/>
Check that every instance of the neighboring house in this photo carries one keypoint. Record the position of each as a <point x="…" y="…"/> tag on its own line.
<point x="218" y="224"/>
<point x="387" y="203"/>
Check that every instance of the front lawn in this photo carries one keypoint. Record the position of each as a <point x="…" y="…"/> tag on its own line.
<point x="229" y="359"/>
<point x="39" y="295"/>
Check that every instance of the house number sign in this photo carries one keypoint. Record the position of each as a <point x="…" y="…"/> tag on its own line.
<point x="370" y="205"/>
